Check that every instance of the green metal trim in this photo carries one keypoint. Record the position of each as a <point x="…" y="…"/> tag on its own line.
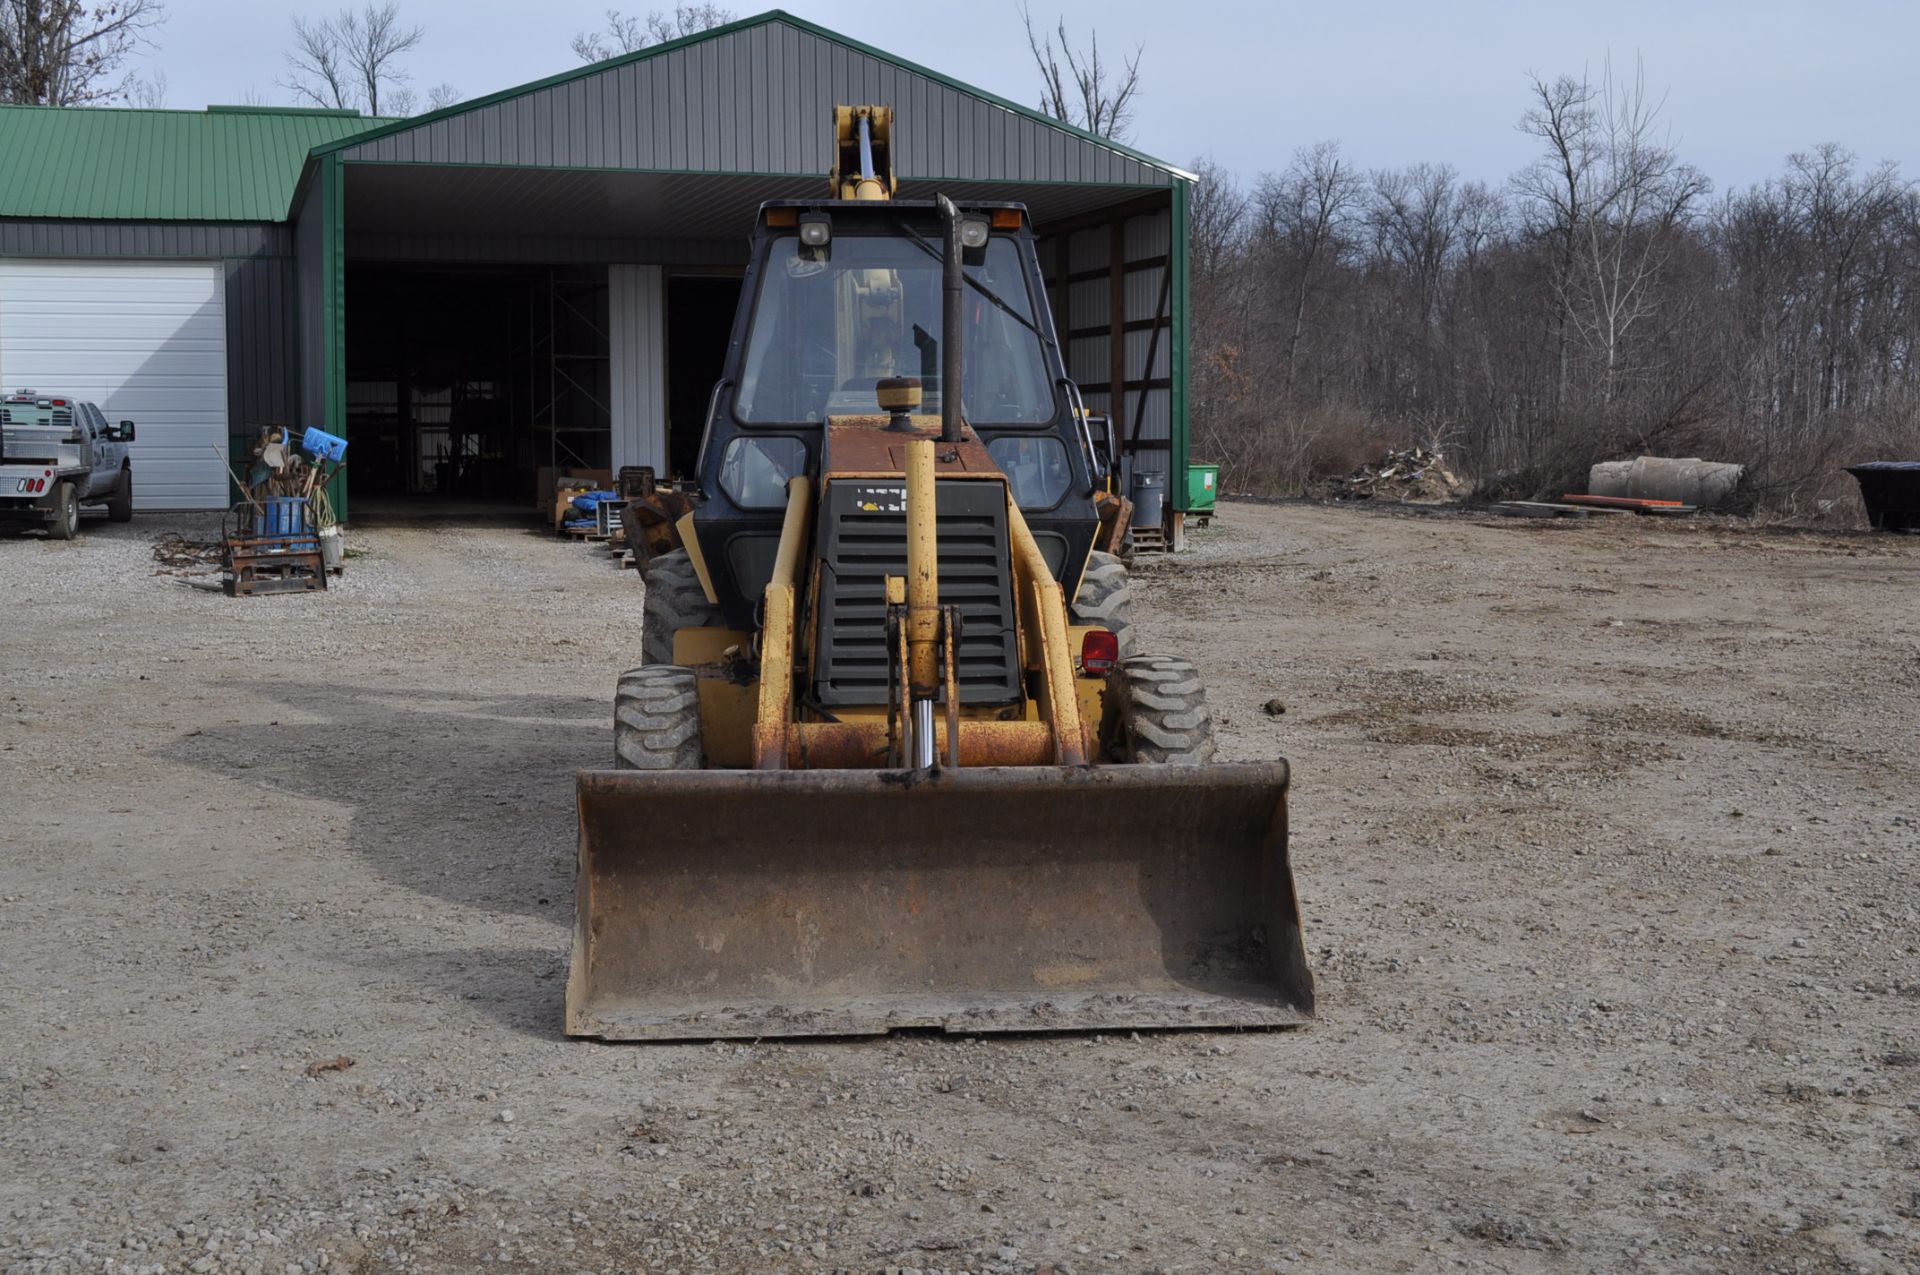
<point x="325" y="112"/>
<point x="333" y="311"/>
<point x="763" y="19"/>
<point x="1181" y="263"/>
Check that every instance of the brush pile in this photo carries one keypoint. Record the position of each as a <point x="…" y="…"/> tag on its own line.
<point x="1412" y="476"/>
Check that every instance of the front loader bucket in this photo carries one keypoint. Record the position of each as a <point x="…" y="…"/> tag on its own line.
<point x="995" y="899"/>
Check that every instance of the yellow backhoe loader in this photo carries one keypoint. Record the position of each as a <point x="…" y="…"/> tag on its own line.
<point x="892" y="759"/>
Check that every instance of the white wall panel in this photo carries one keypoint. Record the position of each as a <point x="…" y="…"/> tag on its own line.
<point x="636" y="316"/>
<point x="147" y="342"/>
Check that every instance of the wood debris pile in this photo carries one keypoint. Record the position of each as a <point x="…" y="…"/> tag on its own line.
<point x="1413" y="476"/>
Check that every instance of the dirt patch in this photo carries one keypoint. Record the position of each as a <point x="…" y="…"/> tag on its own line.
<point x="1605" y="835"/>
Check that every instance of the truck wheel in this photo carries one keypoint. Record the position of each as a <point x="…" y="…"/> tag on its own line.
<point x="656" y="720"/>
<point x="674" y="601"/>
<point x="120" y="507"/>
<point x="1106" y="599"/>
<point x="1163" y="715"/>
<point x="66" y="512"/>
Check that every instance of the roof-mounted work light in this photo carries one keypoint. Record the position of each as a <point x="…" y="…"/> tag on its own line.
<point x="816" y="229"/>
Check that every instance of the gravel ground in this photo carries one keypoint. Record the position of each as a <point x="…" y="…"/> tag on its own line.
<point x="1606" y="834"/>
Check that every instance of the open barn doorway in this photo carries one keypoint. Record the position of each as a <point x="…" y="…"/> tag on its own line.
<point x="463" y="383"/>
<point x="699" y="324"/>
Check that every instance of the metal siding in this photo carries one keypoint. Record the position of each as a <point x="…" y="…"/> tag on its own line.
<point x="1143" y="292"/>
<point x="1088" y="306"/>
<point x="756" y="99"/>
<point x="1088" y="359"/>
<point x="260" y="343"/>
<point x="47" y="238"/>
<point x="1137" y="346"/>
<point x="1149" y="234"/>
<point x="1088" y="250"/>
<point x="1154" y="426"/>
<point x="1146" y="414"/>
<point x="637" y="344"/>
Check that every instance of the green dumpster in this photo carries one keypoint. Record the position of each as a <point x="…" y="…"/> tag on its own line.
<point x="1203" y="485"/>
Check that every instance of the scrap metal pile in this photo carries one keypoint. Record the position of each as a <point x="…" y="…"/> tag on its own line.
<point x="1412" y="476"/>
<point x="283" y="537"/>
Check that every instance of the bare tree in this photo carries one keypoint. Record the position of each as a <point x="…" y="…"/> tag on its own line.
<point x="65" y="52"/>
<point x="149" y="92"/>
<point x="1609" y="190"/>
<point x="317" y="68"/>
<point x="1088" y="93"/>
<point x="1303" y="215"/>
<point x="352" y="61"/>
<point x="629" y="34"/>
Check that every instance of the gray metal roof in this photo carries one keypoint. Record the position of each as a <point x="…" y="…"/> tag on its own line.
<point x="754" y="97"/>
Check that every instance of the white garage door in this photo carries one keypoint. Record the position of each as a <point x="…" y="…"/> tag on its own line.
<point x="147" y="341"/>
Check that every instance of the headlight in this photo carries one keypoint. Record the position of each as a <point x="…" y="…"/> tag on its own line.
<point x="973" y="233"/>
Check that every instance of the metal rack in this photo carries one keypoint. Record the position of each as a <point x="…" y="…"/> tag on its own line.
<point x="571" y="309"/>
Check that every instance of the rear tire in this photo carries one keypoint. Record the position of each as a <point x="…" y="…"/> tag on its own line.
<point x="1106" y="599"/>
<point x="120" y="507"/>
<point x="674" y="601"/>
<point x="66" y="512"/>
<point x="656" y="720"/>
<point x="1163" y="715"/>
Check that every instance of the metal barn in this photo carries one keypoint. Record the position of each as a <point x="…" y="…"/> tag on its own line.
<point x="537" y="279"/>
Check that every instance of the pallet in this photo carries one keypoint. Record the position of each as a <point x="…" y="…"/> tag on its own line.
<point x="1149" y="539"/>
<point x="1551" y="509"/>
<point x="250" y="571"/>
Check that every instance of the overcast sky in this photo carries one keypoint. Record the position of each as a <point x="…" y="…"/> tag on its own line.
<point x="1395" y="81"/>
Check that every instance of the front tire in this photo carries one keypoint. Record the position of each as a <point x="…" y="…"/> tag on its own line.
<point x="66" y="512"/>
<point x="656" y="720"/>
<point x="674" y="601"/>
<point x="1164" y="719"/>
<point x="1105" y="599"/>
<point x="120" y="507"/>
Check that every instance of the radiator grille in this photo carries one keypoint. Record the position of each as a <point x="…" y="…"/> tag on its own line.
<point x="866" y="541"/>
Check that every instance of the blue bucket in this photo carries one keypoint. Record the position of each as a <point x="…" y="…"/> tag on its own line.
<point x="288" y="518"/>
<point x="325" y="446"/>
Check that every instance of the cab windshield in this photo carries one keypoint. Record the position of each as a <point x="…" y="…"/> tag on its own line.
<point x="829" y="324"/>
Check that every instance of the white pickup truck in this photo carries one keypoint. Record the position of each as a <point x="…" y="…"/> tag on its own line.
<point x="58" y="453"/>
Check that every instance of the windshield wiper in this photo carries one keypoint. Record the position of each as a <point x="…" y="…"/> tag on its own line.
<point x="974" y="283"/>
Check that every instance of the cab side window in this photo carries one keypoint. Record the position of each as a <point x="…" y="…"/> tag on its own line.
<point x="1036" y="468"/>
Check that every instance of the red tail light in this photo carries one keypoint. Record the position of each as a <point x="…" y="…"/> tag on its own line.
<point x="1099" y="651"/>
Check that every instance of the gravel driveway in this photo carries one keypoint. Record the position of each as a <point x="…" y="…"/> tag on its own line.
<point x="1607" y="835"/>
